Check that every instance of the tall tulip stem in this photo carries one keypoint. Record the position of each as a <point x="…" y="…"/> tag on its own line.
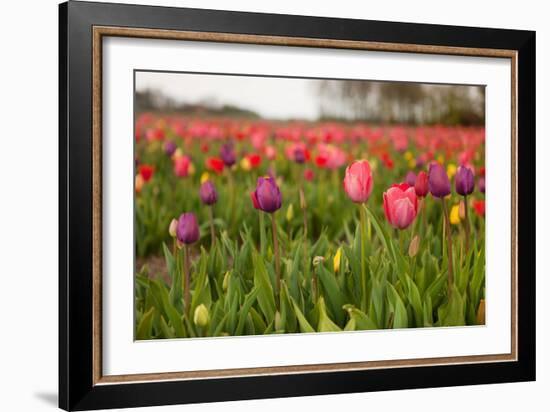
<point x="212" y="232"/>
<point x="450" y="279"/>
<point x="186" y="275"/>
<point x="466" y="225"/>
<point x="262" y="234"/>
<point x="276" y="252"/>
<point x="303" y="206"/>
<point x="363" y="229"/>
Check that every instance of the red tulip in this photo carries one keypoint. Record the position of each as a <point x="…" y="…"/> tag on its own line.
<point x="400" y="205"/>
<point x="358" y="181"/>
<point x="215" y="164"/>
<point x="421" y="186"/>
<point x="479" y="207"/>
<point x="308" y="175"/>
<point x="146" y="172"/>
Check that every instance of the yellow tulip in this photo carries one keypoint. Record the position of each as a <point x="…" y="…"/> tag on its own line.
<point x="408" y="155"/>
<point x="139" y="183"/>
<point x="201" y="316"/>
<point x="451" y="170"/>
<point x="412" y="163"/>
<point x="245" y="164"/>
<point x="455" y="215"/>
<point x="289" y="213"/>
<point x="336" y="260"/>
<point x="204" y="177"/>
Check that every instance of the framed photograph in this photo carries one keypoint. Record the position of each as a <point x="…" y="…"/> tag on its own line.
<point x="257" y="205"/>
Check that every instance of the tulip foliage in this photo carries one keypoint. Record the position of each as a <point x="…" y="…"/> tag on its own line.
<point x="269" y="227"/>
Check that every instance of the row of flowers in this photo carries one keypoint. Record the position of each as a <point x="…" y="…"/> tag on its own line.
<point x="402" y="203"/>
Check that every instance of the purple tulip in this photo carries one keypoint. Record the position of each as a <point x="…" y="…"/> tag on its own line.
<point x="438" y="181"/>
<point x="410" y="179"/>
<point x="208" y="193"/>
<point x="187" y="231"/>
<point x="464" y="181"/>
<point x="299" y="155"/>
<point x="481" y="184"/>
<point x="228" y="154"/>
<point x="169" y="148"/>
<point x="267" y="195"/>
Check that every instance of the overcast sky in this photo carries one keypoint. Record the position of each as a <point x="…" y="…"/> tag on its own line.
<point x="271" y="97"/>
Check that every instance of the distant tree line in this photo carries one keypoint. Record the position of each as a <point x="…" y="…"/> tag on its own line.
<point x="155" y="101"/>
<point x="399" y="102"/>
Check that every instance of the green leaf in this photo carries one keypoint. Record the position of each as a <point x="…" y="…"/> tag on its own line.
<point x="266" y="300"/>
<point x="325" y="323"/>
<point x="360" y="319"/>
<point x="400" y="319"/>
<point x="145" y="326"/>
<point x="305" y="327"/>
<point x="245" y="308"/>
<point x="332" y="292"/>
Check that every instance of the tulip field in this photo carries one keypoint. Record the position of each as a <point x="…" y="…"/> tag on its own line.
<point x="254" y="227"/>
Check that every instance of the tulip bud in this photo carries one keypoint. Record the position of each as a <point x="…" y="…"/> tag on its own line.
<point x="289" y="213"/>
<point x="139" y="183"/>
<point x="173" y="227"/>
<point x="358" y="181"/>
<point x="169" y="148"/>
<point x="481" y="184"/>
<point x="278" y="323"/>
<point x="438" y="181"/>
<point x="464" y="181"/>
<point x="228" y="155"/>
<point x="454" y="215"/>
<point x="317" y="260"/>
<point x="267" y="195"/>
<point x="226" y="280"/>
<point x="336" y="260"/>
<point x="204" y="177"/>
<point x="201" y="316"/>
<point x="208" y="193"/>
<point x="414" y="245"/>
<point x="451" y="170"/>
<point x="421" y="184"/>
<point x="187" y="231"/>
<point x="410" y="179"/>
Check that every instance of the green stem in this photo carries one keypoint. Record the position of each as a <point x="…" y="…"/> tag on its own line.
<point x="450" y="279"/>
<point x="262" y="234"/>
<point x="466" y="225"/>
<point x="276" y="252"/>
<point x="212" y="232"/>
<point x="303" y="206"/>
<point x="187" y="276"/>
<point x="363" y="222"/>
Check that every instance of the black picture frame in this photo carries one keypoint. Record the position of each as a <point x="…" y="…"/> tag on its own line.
<point x="76" y="386"/>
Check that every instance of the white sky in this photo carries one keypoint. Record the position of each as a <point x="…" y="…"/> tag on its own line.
<point x="271" y="97"/>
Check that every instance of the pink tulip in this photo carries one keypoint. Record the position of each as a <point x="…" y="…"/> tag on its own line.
<point x="400" y="205"/>
<point x="358" y="181"/>
<point x="181" y="166"/>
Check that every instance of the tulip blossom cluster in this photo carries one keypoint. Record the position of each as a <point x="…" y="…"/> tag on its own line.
<point x="270" y="227"/>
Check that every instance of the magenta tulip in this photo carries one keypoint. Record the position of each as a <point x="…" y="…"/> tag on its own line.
<point x="438" y="181"/>
<point x="187" y="231"/>
<point x="208" y="193"/>
<point x="267" y="196"/>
